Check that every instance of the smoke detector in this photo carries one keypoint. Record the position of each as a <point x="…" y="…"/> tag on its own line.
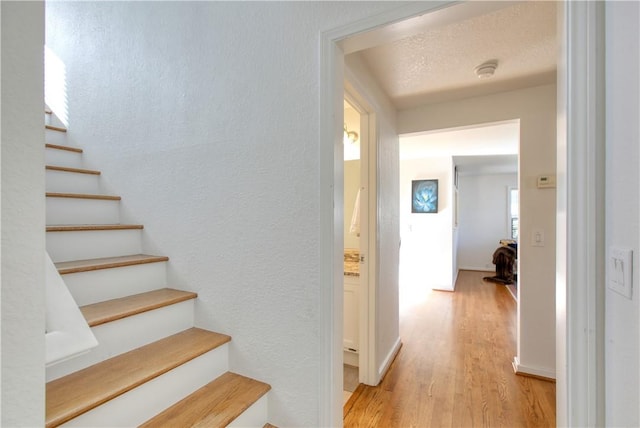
<point x="486" y="69"/>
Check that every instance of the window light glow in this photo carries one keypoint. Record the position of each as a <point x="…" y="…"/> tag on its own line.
<point x="55" y="85"/>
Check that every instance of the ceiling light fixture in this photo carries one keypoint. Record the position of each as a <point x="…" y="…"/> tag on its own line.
<point x="350" y="136"/>
<point x="486" y="69"/>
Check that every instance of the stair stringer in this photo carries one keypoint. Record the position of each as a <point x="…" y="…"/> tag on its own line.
<point x="67" y="333"/>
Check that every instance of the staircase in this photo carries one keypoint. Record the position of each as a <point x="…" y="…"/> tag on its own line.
<point x="152" y="367"/>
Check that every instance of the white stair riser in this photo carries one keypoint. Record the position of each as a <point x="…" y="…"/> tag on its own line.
<point x="47" y="119"/>
<point x="106" y="284"/>
<point x="144" y="402"/>
<point x="55" y="137"/>
<point x="71" y="182"/>
<point x="82" y="211"/>
<point x="93" y="244"/>
<point x="140" y="329"/>
<point x="254" y="417"/>
<point x="59" y="157"/>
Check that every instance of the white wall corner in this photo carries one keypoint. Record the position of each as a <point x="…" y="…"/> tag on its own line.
<point x="22" y="372"/>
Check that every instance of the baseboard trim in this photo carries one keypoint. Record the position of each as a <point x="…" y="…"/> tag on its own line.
<point x="476" y="268"/>
<point x="351" y="358"/>
<point x="389" y="359"/>
<point x="534" y="372"/>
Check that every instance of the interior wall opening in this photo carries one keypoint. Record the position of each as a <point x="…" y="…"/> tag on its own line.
<point x="473" y="168"/>
<point x="352" y="249"/>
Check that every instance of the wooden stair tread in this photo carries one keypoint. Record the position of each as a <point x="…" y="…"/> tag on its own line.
<point x="112" y="310"/>
<point x="269" y="426"/>
<point x="107" y="263"/>
<point x="47" y="111"/>
<point x="69" y="169"/>
<point x="82" y="196"/>
<point x="55" y="128"/>
<point x="86" y="227"/>
<point x="81" y="391"/>
<point x="67" y="148"/>
<point x="214" y="405"/>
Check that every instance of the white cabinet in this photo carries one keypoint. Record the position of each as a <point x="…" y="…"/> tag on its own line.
<point x="351" y="313"/>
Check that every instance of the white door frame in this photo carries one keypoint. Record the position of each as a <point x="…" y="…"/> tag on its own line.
<point x="580" y="223"/>
<point x="367" y="372"/>
<point x="580" y="216"/>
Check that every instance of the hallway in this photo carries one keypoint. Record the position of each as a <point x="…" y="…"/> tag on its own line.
<point x="454" y="368"/>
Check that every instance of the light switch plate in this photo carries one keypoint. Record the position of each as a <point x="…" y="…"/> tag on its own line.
<point x="537" y="238"/>
<point x="620" y="271"/>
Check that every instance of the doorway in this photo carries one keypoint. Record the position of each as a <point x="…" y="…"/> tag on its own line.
<point x="358" y="338"/>
<point x="579" y="133"/>
<point x="353" y="212"/>
<point x="474" y="167"/>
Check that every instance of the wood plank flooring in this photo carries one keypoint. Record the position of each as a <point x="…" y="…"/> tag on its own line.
<point x="454" y="369"/>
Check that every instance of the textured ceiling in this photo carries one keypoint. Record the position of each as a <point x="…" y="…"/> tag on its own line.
<point x="438" y="65"/>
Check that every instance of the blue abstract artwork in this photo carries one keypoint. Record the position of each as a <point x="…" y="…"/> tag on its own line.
<point x="424" y="196"/>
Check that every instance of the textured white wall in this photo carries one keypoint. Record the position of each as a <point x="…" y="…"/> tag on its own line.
<point x="23" y="247"/>
<point x="204" y="117"/>
<point x="536" y="109"/>
<point x="427" y="242"/>
<point x="622" y="316"/>
<point x="483" y="218"/>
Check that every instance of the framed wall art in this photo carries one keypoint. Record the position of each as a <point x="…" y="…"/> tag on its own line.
<point x="424" y="196"/>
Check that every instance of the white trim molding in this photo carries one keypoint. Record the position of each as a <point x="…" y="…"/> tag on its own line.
<point x="382" y="370"/>
<point x="330" y="373"/>
<point x="520" y="369"/>
<point x="476" y="268"/>
<point x="580" y="217"/>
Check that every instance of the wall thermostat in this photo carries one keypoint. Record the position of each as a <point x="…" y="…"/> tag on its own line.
<point x="546" y="181"/>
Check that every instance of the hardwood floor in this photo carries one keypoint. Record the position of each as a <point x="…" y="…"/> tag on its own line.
<point x="454" y="368"/>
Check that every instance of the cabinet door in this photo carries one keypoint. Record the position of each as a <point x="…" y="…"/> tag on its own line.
<point x="351" y="317"/>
